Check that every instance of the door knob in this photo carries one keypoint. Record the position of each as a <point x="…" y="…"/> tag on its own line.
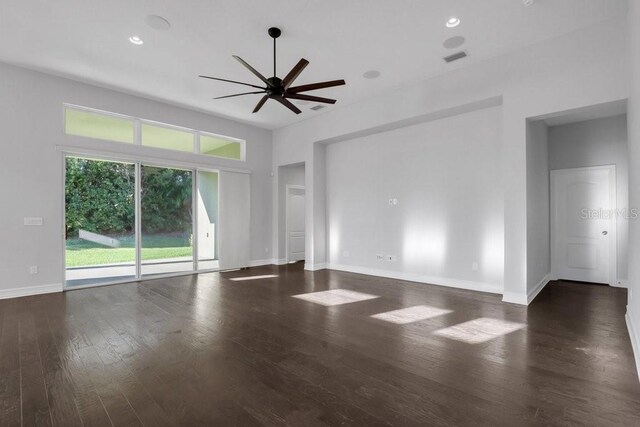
<point x="604" y="233"/>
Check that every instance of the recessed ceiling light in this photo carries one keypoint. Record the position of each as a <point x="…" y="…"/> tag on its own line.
<point x="157" y="22"/>
<point x="453" y="22"/>
<point x="136" y="40"/>
<point x="371" y="74"/>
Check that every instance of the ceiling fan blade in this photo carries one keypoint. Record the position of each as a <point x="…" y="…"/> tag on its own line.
<point x="253" y="70"/>
<point x="288" y="104"/>
<point x="315" y="86"/>
<point x="261" y="103"/>
<point x="294" y="73"/>
<point x="310" y="98"/>
<point x="239" y="94"/>
<point x="231" y="81"/>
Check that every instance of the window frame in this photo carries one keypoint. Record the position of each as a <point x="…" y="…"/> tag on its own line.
<point x="143" y="122"/>
<point x="98" y="112"/>
<point x="242" y="142"/>
<point x="137" y="132"/>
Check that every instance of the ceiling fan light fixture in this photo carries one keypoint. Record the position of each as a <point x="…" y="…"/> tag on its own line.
<point x="453" y="22"/>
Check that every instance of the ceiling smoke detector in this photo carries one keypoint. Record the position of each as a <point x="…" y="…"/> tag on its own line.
<point x="157" y="22"/>
<point x="453" y="42"/>
<point x="371" y="74"/>
<point x="528" y="2"/>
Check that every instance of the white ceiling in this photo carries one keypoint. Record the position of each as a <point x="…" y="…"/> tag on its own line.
<point x="88" y="40"/>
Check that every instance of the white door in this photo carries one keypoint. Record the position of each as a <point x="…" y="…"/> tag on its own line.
<point x="295" y="223"/>
<point x="583" y="226"/>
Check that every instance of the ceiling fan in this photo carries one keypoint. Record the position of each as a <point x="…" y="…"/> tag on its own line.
<point x="280" y="89"/>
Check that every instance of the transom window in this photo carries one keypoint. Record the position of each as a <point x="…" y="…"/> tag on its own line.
<point x="89" y="123"/>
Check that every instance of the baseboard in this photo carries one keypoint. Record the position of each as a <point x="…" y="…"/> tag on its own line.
<point x="281" y="261"/>
<point x="515" y="298"/>
<point x="622" y="284"/>
<point x="26" y="291"/>
<point x="525" y="299"/>
<point x="259" y="262"/>
<point x="540" y="286"/>
<point x="410" y="277"/>
<point x="635" y="340"/>
<point x="315" y="267"/>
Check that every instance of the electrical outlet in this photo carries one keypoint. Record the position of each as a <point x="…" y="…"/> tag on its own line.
<point x="380" y="257"/>
<point x="393" y="202"/>
<point x="391" y="258"/>
<point x="266" y="250"/>
<point x="345" y="254"/>
<point x="475" y="266"/>
<point x="33" y="269"/>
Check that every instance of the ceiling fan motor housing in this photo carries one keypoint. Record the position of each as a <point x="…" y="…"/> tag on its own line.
<point x="277" y="89"/>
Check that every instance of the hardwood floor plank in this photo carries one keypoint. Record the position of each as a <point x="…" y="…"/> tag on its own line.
<point x="60" y="391"/>
<point x="10" y="390"/>
<point x="35" y="403"/>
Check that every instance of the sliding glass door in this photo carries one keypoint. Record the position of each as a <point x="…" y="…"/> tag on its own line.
<point x="167" y="220"/>
<point x="126" y="221"/>
<point x="100" y="244"/>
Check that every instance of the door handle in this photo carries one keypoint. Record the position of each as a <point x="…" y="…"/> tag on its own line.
<point x="604" y="233"/>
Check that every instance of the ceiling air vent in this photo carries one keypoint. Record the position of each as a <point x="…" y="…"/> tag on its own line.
<point x="455" y="56"/>
<point x="317" y="107"/>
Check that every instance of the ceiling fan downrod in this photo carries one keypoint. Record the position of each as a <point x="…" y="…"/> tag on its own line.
<point x="274" y="32"/>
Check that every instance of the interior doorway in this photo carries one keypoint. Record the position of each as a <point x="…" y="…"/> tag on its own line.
<point x="295" y="223"/>
<point x="578" y="209"/>
<point x="291" y="213"/>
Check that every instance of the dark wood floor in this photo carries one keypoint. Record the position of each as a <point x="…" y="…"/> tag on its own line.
<point x="211" y="351"/>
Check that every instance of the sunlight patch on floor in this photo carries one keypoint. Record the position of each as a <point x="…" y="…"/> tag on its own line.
<point x="479" y="330"/>
<point x="335" y="297"/>
<point x="264" y="276"/>
<point x="411" y="314"/>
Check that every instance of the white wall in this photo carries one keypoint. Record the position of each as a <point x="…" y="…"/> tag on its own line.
<point x="596" y="143"/>
<point x="584" y="68"/>
<point x="538" y="241"/>
<point x="31" y="169"/>
<point x="633" y="125"/>
<point x="446" y="177"/>
<point x="288" y="175"/>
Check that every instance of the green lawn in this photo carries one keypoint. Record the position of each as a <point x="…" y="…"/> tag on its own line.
<point x="81" y="252"/>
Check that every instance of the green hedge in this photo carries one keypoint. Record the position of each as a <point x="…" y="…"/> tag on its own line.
<point x="100" y="198"/>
